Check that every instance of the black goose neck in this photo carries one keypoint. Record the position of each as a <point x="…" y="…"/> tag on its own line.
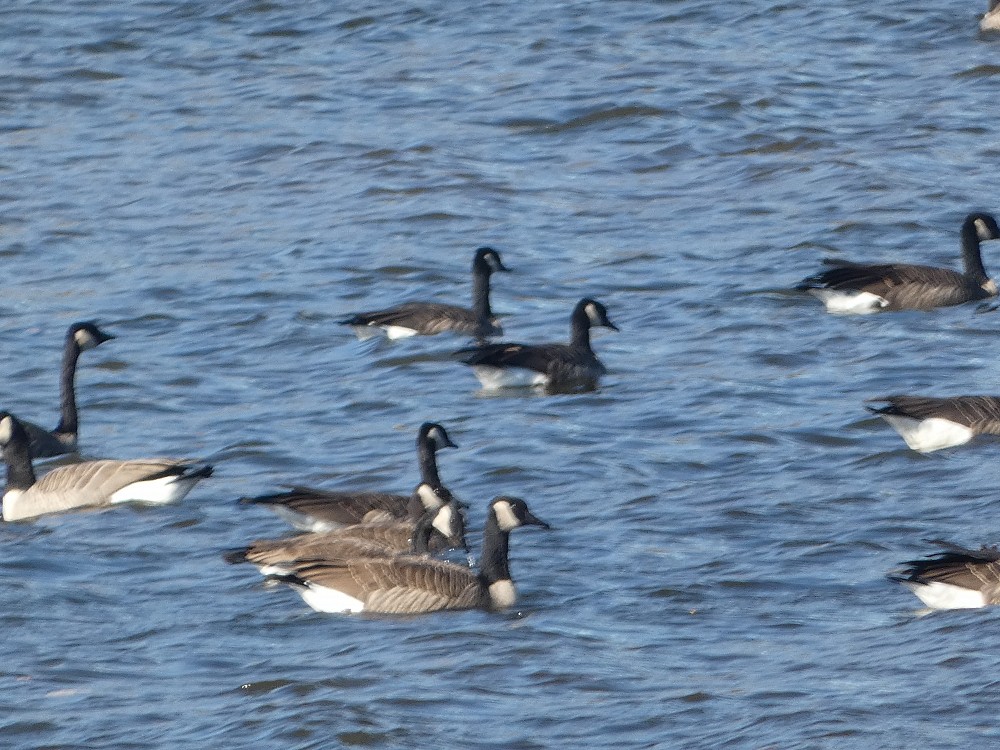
<point x="579" y="329"/>
<point x="68" y="419"/>
<point x="481" y="289"/>
<point x="17" y="456"/>
<point x="427" y="457"/>
<point x="494" y="564"/>
<point x="972" y="258"/>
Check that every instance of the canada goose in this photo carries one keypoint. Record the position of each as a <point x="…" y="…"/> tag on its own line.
<point x="312" y="509"/>
<point x="91" y="483"/>
<point x="411" y="585"/>
<point x="860" y="288"/>
<point x="955" y="578"/>
<point x="554" y="366"/>
<point x="991" y="21"/>
<point x="430" y="318"/>
<point x="44" y="443"/>
<point x="929" y="424"/>
<point x="436" y="531"/>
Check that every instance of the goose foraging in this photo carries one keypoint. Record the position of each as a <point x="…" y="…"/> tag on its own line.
<point x="929" y="424"/>
<point x="63" y="439"/>
<point x="556" y="367"/>
<point x="312" y="509"/>
<point x="410" y="585"/>
<point x="954" y="578"/>
<point x="431" y="318"/>
<point x="86" y="484"/>
<point x="861" y="288"/>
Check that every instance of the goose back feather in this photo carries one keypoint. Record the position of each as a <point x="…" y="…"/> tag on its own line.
<point x="929" y="424"/>
<point x="954" y="578"/>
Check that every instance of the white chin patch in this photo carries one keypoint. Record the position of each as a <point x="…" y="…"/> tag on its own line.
<point x="945" y="596"/>
<point x="438" y="438"/>
<point x="505" y="516"/>
<point x="927" y="435"/>
<point x="324" y="599"/>
<point x="428" y="497"/>
<point x="443" y="520"/>
<point x="6" y="430"/>
<point x="84" y="340"/>
<point x="502" y="594"/>
<point x="495" y="378"/>
<point x="850" y="303"/>
<point x="982" y="230"/>
<point x="156" y="491"/>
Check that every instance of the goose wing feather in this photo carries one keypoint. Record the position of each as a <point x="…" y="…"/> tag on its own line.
<point x="981" y="413"/>
<point x="901" y="285"/>
<point x="957" y="566"/>
<point x="362" y="540"/>
<point x="427" y="318"/>
<point x="339" y="507"/>
<point x="398" y="585"/>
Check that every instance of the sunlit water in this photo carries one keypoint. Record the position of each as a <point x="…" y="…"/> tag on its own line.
<point x="219" y="182"/>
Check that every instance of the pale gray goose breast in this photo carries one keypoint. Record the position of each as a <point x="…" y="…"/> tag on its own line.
<point x="86" y="484"/>
<point x="313" y="509"/>
<point x="954" y="578"/>
<point x="432" y="318"/>
<point x="412" y="585"/>
<point x="859" y="287"/>
<point x="80" y="337"/>
<point x="557" y="367"/>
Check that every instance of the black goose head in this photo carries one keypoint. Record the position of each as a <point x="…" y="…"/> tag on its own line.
<point x="434" y="436"/>
<point x="593" y="313"/>
<point x="487" y="261"/>
<point x="512" y="512"/>
<point x="10" y="430"/>
<point x="87" y="335"/>
<point x="983" y="225"/>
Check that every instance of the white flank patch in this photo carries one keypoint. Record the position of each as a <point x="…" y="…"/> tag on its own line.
<point x="398" y="332"/>
<point x="324" y="599"/>
<point x="850" y="303"/>
<point x="926" y="435"/>
<point x="158" y="491"/>
<point x="503" y="594"/>
<point x="302" y="521"/>
<point x="495" y="378"/>
<point x="945" y="596"/>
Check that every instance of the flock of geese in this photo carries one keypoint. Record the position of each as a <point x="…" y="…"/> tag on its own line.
<point x="381" y="552"/>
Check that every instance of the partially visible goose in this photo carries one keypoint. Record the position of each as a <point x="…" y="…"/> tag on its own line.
<point x="860" y="288"/>
<point x="557" y="367"/>
<point x="955" y="578"/>
<point x="312" y="509"/>
<point x="63" y="439"/>
<point x="991" y="21"/>
<point x="430" y="318"/>
<point x="91" y="483"/>
<point x="929" y="424"/>
<point x="437" y="530"/>
<point x="409" y="585"/>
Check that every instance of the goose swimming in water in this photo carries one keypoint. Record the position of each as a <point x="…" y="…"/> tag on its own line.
<point x="86" y="484"/>
<point x="431" y="318"/>
<point x="930" y="424"/>
<point x="954" y="578"/>
<point x="313" y="509"/>
<point x="63" y="439"/>
<point x="556" y="367"/>
<point x="409" y="585"/>
<point x="862" y="288"/>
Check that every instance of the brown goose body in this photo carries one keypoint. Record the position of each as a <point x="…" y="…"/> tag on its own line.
<point x="412" y="585"/>
<point x="928" y="424"/>
<point x="86" y="484"/>
<point x="849" y="287"/>
<point x="432" y="318"/>
<point x="557" y="367"/>
<point x="955" y="578"/>
<point x="313" y="509"/>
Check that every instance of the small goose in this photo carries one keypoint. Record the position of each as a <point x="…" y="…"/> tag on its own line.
<point x="410" y="585"/>
<point x="955" y="578"/>
<point x="930" y="424"/>
<point x="87" y="484"/>
<point x="311" y="509"/>
<point x="436" y="531"/>
<point x="430" y="318"/>
<point x="557" y="367"/>
<point x="991" y="21"/>
<point x="63" y="439"/>
<point x="859" y="288"/>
